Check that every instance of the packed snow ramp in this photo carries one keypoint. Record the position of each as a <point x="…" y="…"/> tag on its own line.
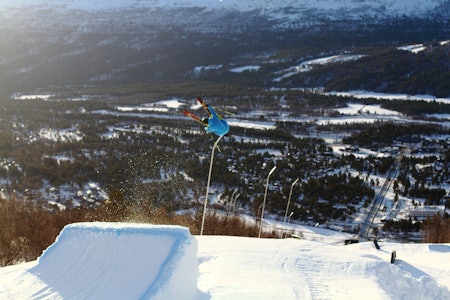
<point x="116" y="261"/>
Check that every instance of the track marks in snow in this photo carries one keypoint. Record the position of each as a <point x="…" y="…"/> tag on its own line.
<point x="310" y="268"/>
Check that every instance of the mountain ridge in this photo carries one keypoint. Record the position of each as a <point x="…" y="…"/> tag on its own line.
<point x="84" y="42"/>
<point x="287" y="11"/>
<point x="403" y="7"/>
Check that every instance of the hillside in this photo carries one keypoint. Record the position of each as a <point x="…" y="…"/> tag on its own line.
<point x="141" y="261"/>
<point x="67" y="43"/>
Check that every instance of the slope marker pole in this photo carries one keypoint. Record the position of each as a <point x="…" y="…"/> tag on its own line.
<point x="209" y="180"/>
<point x="264" y="202"/>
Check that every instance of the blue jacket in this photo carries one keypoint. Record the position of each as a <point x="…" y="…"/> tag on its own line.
<point x="216" y="125"/>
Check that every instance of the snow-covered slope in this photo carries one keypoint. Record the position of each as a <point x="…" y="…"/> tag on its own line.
<point x="125" y="261"/>
<point x="244" y="268"/>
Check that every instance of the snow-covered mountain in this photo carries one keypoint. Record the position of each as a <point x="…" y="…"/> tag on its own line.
<point x="289" y="7"/>
<point x="60" y="42"/>
<point x="282" y="13"/>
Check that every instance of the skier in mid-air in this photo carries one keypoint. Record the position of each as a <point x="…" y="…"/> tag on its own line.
<point x="214" y="123"/>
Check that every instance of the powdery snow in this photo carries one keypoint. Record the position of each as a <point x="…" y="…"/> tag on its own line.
<point x="138" y="261"/>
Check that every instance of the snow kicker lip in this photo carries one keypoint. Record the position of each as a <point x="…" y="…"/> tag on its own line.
<point x="142" y="261"/>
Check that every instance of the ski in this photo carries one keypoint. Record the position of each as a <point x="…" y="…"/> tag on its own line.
<point x="194" y="117"/>
<point x="225" y="111"/>
<point x="205" y="106"/>
<point x="200" y="100"/>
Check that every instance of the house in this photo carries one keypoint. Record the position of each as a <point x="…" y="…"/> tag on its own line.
<point x="421" y="213"/>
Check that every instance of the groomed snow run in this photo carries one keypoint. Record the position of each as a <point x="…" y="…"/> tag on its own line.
<point x="137" y="261"/>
